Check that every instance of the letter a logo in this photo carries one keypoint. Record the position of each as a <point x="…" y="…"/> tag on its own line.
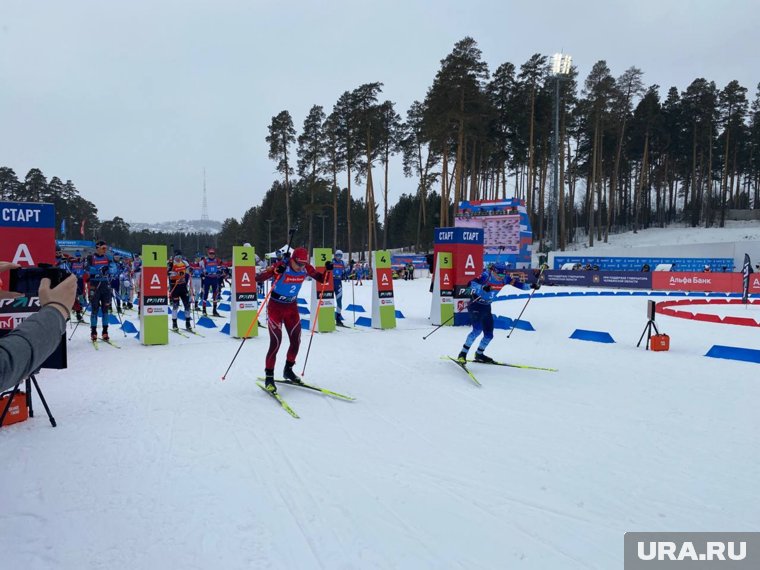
<point x="470" y="263"/>
<point x="445" y="278"/>
<point x="245" y="281"/>
<point x="155" y="282"/>
<point x="23" y="255"/>
<point x="385" y="278"/>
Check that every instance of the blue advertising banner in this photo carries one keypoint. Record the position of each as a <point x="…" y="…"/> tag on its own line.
<point x="685" y="264"/>
<point x="77" y="243"/>
<point x="614" y="279"/>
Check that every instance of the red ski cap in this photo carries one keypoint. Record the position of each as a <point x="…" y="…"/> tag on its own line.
<point x="211" y="250"/>
<point x="301" y="255"/>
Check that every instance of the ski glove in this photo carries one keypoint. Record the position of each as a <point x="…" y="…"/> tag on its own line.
<point x="329" y="265"/>
<point x="487" y="288"/>
<point x="536" y="286"/>
<point x="280" y="269"/>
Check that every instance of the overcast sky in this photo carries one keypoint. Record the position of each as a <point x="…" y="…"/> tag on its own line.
<point x="131" y="99"/>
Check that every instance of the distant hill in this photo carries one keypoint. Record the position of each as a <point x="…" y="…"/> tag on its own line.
<point x="185" y="226"/>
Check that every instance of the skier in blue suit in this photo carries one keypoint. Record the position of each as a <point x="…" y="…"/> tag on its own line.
<point x="339" y="272"/>
<point x="483" y="291"/>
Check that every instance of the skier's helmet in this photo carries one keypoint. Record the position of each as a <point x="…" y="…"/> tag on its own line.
<point x="499" y="269"/>
<point x="300" y="255"/>
<point x="338" y="254"/>
<point x="77" y="254"/>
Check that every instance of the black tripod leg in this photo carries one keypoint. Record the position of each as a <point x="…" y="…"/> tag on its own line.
<point x="638" y="344"/>
<point x="44" y="403"/>
<point x="29" y="396"/>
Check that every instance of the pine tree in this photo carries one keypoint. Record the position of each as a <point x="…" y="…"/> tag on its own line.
<point x="9" y="184"/>
<point x="281" y="135"/>
<point x="733" y="108"/>
<point x="311" y="153"/>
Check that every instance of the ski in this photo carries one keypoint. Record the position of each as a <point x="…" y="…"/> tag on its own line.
<point x="176" y="331"/>
<point x="95" y="344"/>
<point x="277" y="397"/>
<point x="464" y="367"/>
<point x="525" y="366"/>
<point x="324" y="391"/>
<point x="195" y="333"/>
<point x="110" y="342"/>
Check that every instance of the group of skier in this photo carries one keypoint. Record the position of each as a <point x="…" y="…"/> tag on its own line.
<point x="106" y="277"/>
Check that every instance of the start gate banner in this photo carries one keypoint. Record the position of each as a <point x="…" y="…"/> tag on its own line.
<point x="27" y="234"/>
<point x="154" y="291"/>
<point x="243" y="301"/>
<point x="383" y="306"/>
<point x="326" y="318"/>
<point x="442" y="306"/>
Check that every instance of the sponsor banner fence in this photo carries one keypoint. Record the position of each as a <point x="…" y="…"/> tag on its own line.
<point x="704" y="282"/>
<point x="658" y="280"/>
<point x="619" y="279"/>
<point x="683" y="264"/>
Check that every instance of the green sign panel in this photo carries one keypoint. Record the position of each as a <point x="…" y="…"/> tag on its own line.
<point x="154" y="291"/>
<point x="243" y="300"/>
<point x="383" y="305"/>
<point x="326" y="317"/>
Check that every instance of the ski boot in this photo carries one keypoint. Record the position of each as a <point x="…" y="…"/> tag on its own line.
<point x="214" y="312"/>
<point x="188" y="325"/>
<point x="290" y="375"/>
<point x="79" y="317"/>
<point x="205" y="314"/>
<point x="104" y="334"/>
<point x="480" y="357"/>
<point x="175" y="327"/>
<point x="93" y="334"/>
<point x="269" y="380"/>
<point x="462" y="358"/>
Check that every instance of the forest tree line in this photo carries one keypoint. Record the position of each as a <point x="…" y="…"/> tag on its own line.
<point x="630" y="158"/>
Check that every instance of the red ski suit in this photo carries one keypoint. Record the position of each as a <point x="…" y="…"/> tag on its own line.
<point x="283" y="309"/>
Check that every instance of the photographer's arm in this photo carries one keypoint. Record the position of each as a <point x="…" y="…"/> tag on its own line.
<point x="27" y="347"/>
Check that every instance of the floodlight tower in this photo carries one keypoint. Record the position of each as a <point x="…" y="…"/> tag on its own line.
<point x="560" y="69"/>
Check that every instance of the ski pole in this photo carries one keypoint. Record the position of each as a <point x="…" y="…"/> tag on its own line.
<point x="353" y="302"/>
<point x="250" y="328"/>
<point x="451" y="317"/>
<point x="514" y="324"/>
<point x="316" y="319"/>
<point x="118" y="316"/>
<point x="439" y="326"/>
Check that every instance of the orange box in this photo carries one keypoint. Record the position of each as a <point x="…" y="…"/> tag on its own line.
<point x="660" y="342"/>
<point x="18" y="412"/>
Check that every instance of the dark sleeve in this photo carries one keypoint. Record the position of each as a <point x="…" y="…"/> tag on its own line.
<point x="26" y="348"/>
<point x="316" y="275"/>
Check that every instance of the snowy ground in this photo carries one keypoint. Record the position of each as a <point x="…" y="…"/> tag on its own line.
<point x="156" y="463"/>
